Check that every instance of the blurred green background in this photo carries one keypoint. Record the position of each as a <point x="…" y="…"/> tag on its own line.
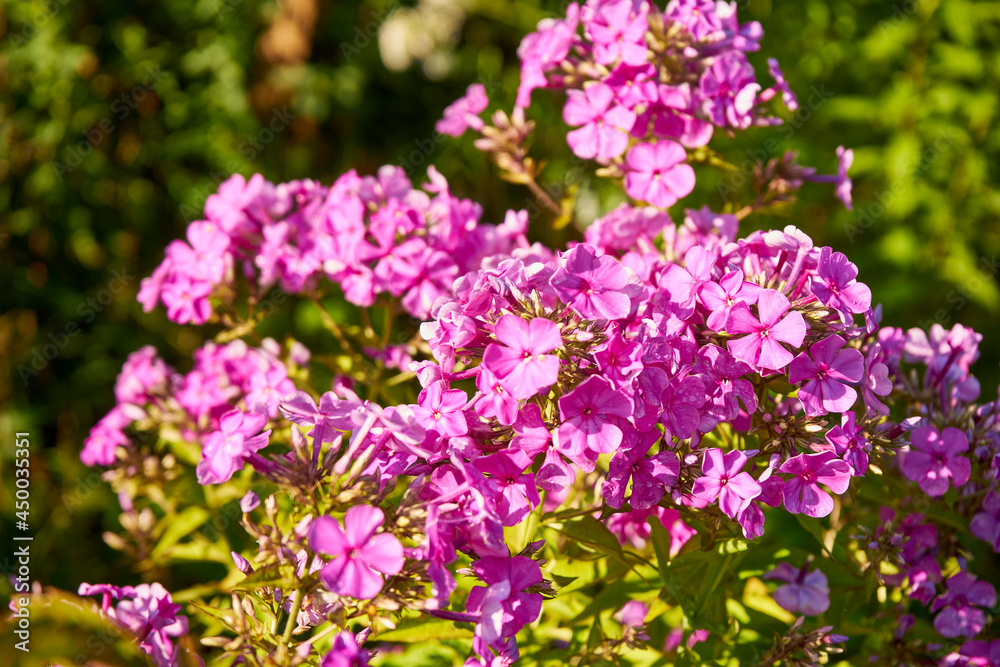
<point x="118" y="118"/>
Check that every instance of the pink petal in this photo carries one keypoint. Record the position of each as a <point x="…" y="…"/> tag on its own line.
<point x="361" y="522"/>
<point x="327" y="537"/>
<point x="384" y="553"/>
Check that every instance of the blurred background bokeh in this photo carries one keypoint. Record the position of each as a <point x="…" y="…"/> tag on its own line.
<point x="118" y="118"/>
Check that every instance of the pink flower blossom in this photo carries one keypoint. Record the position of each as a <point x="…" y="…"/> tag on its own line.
<point x="592" y="417"/>
<point x="826" y="376"/>
<point x="722" y="479"/>
<point x="604" y="122"/>
<point x="959" y="615"/>
<point x="762" y="347"/>
<point x="935" y="457"/>
<point x="519" y="359"/>
<point x="656" y="173"/>
<point x="463" y="114"/>
<point x="360" y="556"/>
<point x="802" y="494"/>
<point x="224" y="451"/>
<point x="806" y="592"/>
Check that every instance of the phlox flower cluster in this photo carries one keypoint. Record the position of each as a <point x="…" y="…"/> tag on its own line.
<point x="663" y="369"/>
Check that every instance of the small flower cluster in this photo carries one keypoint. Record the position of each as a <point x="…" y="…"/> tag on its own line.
<point x="371" y="235"/>
<point x="147" y="612"/>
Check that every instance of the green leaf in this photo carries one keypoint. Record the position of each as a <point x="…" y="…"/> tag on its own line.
<point x="591" y="532"/>
<point x="426" y="630"/>
<point x="661" y="542"/>
<point x="180" y="527"/>
<point x="276" y="576"/>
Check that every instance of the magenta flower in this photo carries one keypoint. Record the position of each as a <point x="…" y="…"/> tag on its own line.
<point x="588" y="415"/>
<point x="651" y="476"/>
<point x="328" y="419"/>
<point x="655" y="173"/>
<point x="975" y="653"/>
<point x="959" y="615"/>
<point x="463" y="113"/>
<point x="835" y="285"/>
<point x="441" y="409"/>
<point x="516" y="491"/>
<point x="986" y="524"/>
<point x="345" y="652"/>
<point x="805" y="593"/>
<point x="683" y="283"/>
<point x="605" y="122"/>
<point x="360" y="556"/>
<point x="802" y="494"/>
<point x="149" y="613"/>
<point x="681" y="401"/>
<point x="187" y="300"/>
<point x="849" y="442"/>
<point x="722" y="478"/>
<point x="596" y="287"/>
<point x="720" y="297"/>
<point x="617" y="34"/>
<point x="762" y="348"/>
<point x="826" y="374"/>
<point x="519" y="359"/>
<point x="494" y="399"/>
<point x="935" y="457"/>
<point x="504" y="607"/>
<point x="224" y="451"/>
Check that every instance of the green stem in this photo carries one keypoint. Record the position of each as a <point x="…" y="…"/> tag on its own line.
<point x="293" y="617"/>
<point x="333" y="327"/>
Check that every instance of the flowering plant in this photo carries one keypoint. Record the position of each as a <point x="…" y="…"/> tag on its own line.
<point x="663" y="444"/>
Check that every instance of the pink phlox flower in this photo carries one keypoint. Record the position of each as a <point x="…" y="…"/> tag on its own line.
<point x="463" y="113"/>
<point x="722" y="479"/>
<point x="651" y="475"/>
<point x="762" y="348"/>
<point x="544" y="49"/>
<point x="345" y="652"/>
<point x="503" y="606"/>
<point x="959" y="613"/>
<point x="593" y="415"/>
<point x="186" y="299"/>
<point x="806" y="592"/>
<point x="835" y="285"/>
<point x="656" y="173"/>
<point x="494" y="399"/>
<point x="441" y="409"/>
<point x="935" y="457"/>
<point x="875" y="381"/>
<point x="681" y="402"/>
<point x="620" y="359"/>
<point x="597" y="287"/>
<point x="722" y="375"/>
<point x="849" y="442"/>
<point x="826" y="376"/>
<point x="728" y="91"/>
<point x="330" y="417"/>
<point x="516" y="491"/>
<point x="617" y="34"/>
<point x="720" y="297"/>
<point x="780" y="86"/>
<point x="801" y="492"/>
<point x="520" y="358"/>
<point x="224" y="451"/>
<point x="604" y="122"/>
<point x="986" y="524"/>
<point x="361" y="556"/>
<point x="684" y="283"/>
